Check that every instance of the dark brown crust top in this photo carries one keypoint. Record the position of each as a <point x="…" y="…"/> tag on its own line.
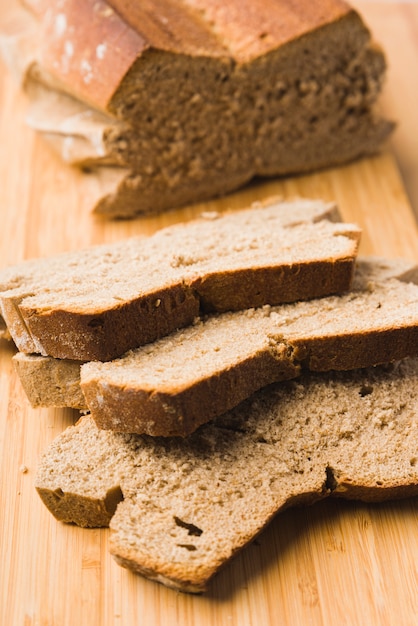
<point x="244" y="29"/>
<point x="170" y="25"/>
<point x="89" y="46"/>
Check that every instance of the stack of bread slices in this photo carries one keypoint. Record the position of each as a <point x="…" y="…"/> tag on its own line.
<point x="226" y="368"/>
<point x="169" y="102"/>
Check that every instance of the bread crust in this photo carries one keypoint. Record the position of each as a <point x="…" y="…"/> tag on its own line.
<point x="104" y="335"/>
<point x="232" y="291"/>
<point x="363" y="349"/>
<point x="71" y="35"/>
<point x="81" y="34"/>
<point x="178" y="412"/>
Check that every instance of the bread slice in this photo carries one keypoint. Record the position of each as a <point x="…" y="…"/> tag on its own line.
<point x="160" y="388"/>
<point x="100" y="302"/>
<point x="235" y="358"/>
<point x="187" y="506"/>
<point x="192" y="100"/>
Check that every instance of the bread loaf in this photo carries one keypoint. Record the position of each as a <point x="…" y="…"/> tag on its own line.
<point x="185" y="507"/>
<point x="194" y="98"/>
<point x="100" y="302"/>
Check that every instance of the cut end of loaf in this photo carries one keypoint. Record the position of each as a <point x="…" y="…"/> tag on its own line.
<point x="152" y="101"/>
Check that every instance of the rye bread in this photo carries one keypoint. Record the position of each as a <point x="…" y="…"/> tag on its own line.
<point x="177" y="102"/>
<point x="100" y="302"/>
<point x="160" y="388"/>
<point x="180" y="509"/>
<point x="222" y="360"/>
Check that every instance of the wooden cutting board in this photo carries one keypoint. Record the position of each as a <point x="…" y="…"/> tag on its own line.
<point x="333" y="563"/>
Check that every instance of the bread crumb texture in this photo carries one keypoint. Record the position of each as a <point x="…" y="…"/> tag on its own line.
<point x="159" y="388"/>
<point x="99" y="302"/>
<point x="187" y="505"/>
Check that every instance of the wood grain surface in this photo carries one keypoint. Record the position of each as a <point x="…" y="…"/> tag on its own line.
<point x="334" y="563"/>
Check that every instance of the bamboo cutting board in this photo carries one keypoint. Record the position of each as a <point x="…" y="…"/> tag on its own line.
<point x="333" y="563"/>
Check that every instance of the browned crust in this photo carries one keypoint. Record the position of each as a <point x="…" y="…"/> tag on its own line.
<point x="235" y="291"/>
<point x="90" y="48"/>
<point x="173" y="578"/>
<point x="171" y="26"/>
<point x="244" y="28"/>
<point x="362" y="349"/>
<point x="179" y="412"/>
<point x="104" y="335"/>
<point x="351" y="489"/>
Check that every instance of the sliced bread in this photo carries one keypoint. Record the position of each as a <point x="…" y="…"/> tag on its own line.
<point x="185" y="507"/>
<point x="218" y="362"/>
<point x="160" y="388"/>
<point x="100" y="302"/>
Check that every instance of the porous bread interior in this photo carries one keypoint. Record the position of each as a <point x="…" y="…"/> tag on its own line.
<point x="255" y="236"/>
<point x="301" y="122"/>
<point x="222" y="342"/>
<point x="189" y="505"/>
<point x="172" y="262"/>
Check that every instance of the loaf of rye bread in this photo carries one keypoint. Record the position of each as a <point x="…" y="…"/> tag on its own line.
<point x="160" y="389"/>
<point x="100" y="302"/>
<point x="179" y="509"/>
<point x="179" y="101"/>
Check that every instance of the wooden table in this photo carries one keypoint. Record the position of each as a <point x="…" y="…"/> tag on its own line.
<point x="333" y="563"/>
